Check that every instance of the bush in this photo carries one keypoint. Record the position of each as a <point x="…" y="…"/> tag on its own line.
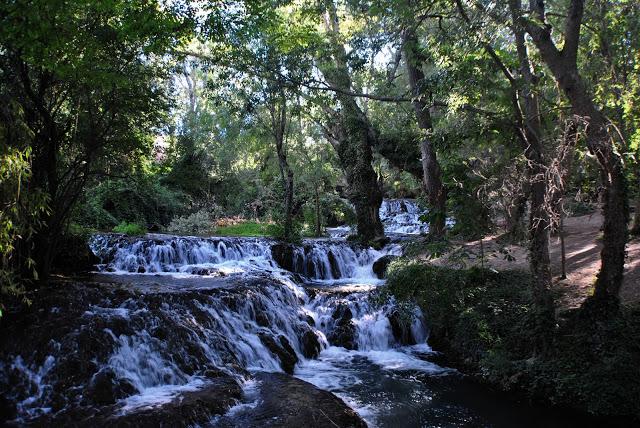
<point x="141" y="200"/>
<point x="484" y="322"/>
<point x="201" y="222"/>
<point x="131" y="229"/>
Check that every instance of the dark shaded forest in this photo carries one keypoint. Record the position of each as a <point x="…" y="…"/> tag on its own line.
<point x="477" y="162"/>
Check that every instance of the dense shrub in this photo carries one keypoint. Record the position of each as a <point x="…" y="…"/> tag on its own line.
<point x="201" y="222"/>
<point x="140" y="200"/>
<point x="483" y="321"/>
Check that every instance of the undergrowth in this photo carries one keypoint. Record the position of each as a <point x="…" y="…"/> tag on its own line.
<point x="483" y="321"/>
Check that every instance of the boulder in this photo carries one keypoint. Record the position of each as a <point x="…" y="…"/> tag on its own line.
<point x="289" y="402"/>
<point x="310" y="344"/>
<point x="106" y="388"/>
<point x="186" y="409"/>
<point x="344" y="331"/>
<point x="284" y="255"/>
<point x="380" y="265"/>
<point x="282" y="349"/>
<point x="401" y="328"/>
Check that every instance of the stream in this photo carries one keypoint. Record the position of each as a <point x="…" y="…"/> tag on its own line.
<point x="168" y="316"/>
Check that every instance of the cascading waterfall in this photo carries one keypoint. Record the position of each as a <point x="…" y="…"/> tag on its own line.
<point x="156" y="344"/>
<point x="398" y="216"/>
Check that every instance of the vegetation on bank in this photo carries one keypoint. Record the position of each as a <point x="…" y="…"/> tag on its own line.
<point x="484" y="323"/>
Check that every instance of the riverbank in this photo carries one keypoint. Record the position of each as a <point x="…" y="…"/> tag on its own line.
<point x="482" y="323"/>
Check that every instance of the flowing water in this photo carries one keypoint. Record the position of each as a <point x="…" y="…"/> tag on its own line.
<point x="180" y="309"/>
<point x="398" y="216"/>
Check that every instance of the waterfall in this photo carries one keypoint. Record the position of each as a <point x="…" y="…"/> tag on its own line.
<point x="398" y="216"/>
<point x="152" y="343"/>
<point x="314" y="259"/>
<point x="402" y="216"/>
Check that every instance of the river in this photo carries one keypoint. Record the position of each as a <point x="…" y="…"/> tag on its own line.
<point x="164" y="315"/>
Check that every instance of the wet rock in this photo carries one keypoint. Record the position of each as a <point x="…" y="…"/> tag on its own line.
<point x="262" y="319"/>
<point x="310" y="269"/>
<point x="284" y="254"/>
<point x="380" y="265"/>
<point x="106" y="388"/>
<point x="282" y="349"/>
<point x="7" y="409"/>
<point x="204" y="271"/>
<point x="289" y="402"/>
<point x="401" y="328"/>
<point x="344" y="331"/>
<point x="310" y="344"/>
<point x="309" y="320"/>
<point x="186" y="409"/>
<point x="335" y="266"/>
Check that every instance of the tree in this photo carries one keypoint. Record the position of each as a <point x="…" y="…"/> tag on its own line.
<point x="351" y="134"/>
<point x="431" y="172"/>
<point x="86" y="111"/>
<point x="599" y="138"/>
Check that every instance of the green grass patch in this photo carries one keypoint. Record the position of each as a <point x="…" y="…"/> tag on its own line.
<point x="248" y="228"/>
<point x="131" y="229"/>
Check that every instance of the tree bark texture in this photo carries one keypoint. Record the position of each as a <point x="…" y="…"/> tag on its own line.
<point x="431" y="171"/>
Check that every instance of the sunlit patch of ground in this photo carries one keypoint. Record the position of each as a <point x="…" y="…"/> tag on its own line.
<point x="583" y="245"/>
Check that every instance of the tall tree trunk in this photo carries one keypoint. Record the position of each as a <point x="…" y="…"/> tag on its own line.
<point x="279" y="126"/>
<point x="539" y="221"/>
<point x="355" y="137"/>
<point x="563" y="66"/>
<point x="431" y="172"/>
<point x="317" y="203"/>
<point x="529" y="132"/>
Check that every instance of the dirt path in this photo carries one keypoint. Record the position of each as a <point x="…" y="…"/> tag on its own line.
<point x="583" y="245"/>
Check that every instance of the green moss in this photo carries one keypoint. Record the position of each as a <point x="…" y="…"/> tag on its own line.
<point x="483" y="321"/>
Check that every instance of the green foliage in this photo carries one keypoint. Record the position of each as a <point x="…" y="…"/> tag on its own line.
<point x="20" y="212"/>
<point x="483" y="321"/>
<point x="131" y="229"/>
<point x="90" y="78"/>
<point x="140" y="200"/>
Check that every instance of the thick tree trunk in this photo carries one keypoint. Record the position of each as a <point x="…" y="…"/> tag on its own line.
<point x="539" y="221"/>
<point x="355" y="137"/>
<point x="432" y="174"/>
<point x="563" y="65"/>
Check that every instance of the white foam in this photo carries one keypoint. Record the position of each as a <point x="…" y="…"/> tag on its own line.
<point x="157" y="395"/>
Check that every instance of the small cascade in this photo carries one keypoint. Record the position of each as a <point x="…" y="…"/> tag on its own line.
<point x="314" y="259"/>
<point x="398" y="216"/>
<point x="174" y="254"/>
<point x="330" y="260"/>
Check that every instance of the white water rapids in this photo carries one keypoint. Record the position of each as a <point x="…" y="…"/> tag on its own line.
<point x="340" y="276"/>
